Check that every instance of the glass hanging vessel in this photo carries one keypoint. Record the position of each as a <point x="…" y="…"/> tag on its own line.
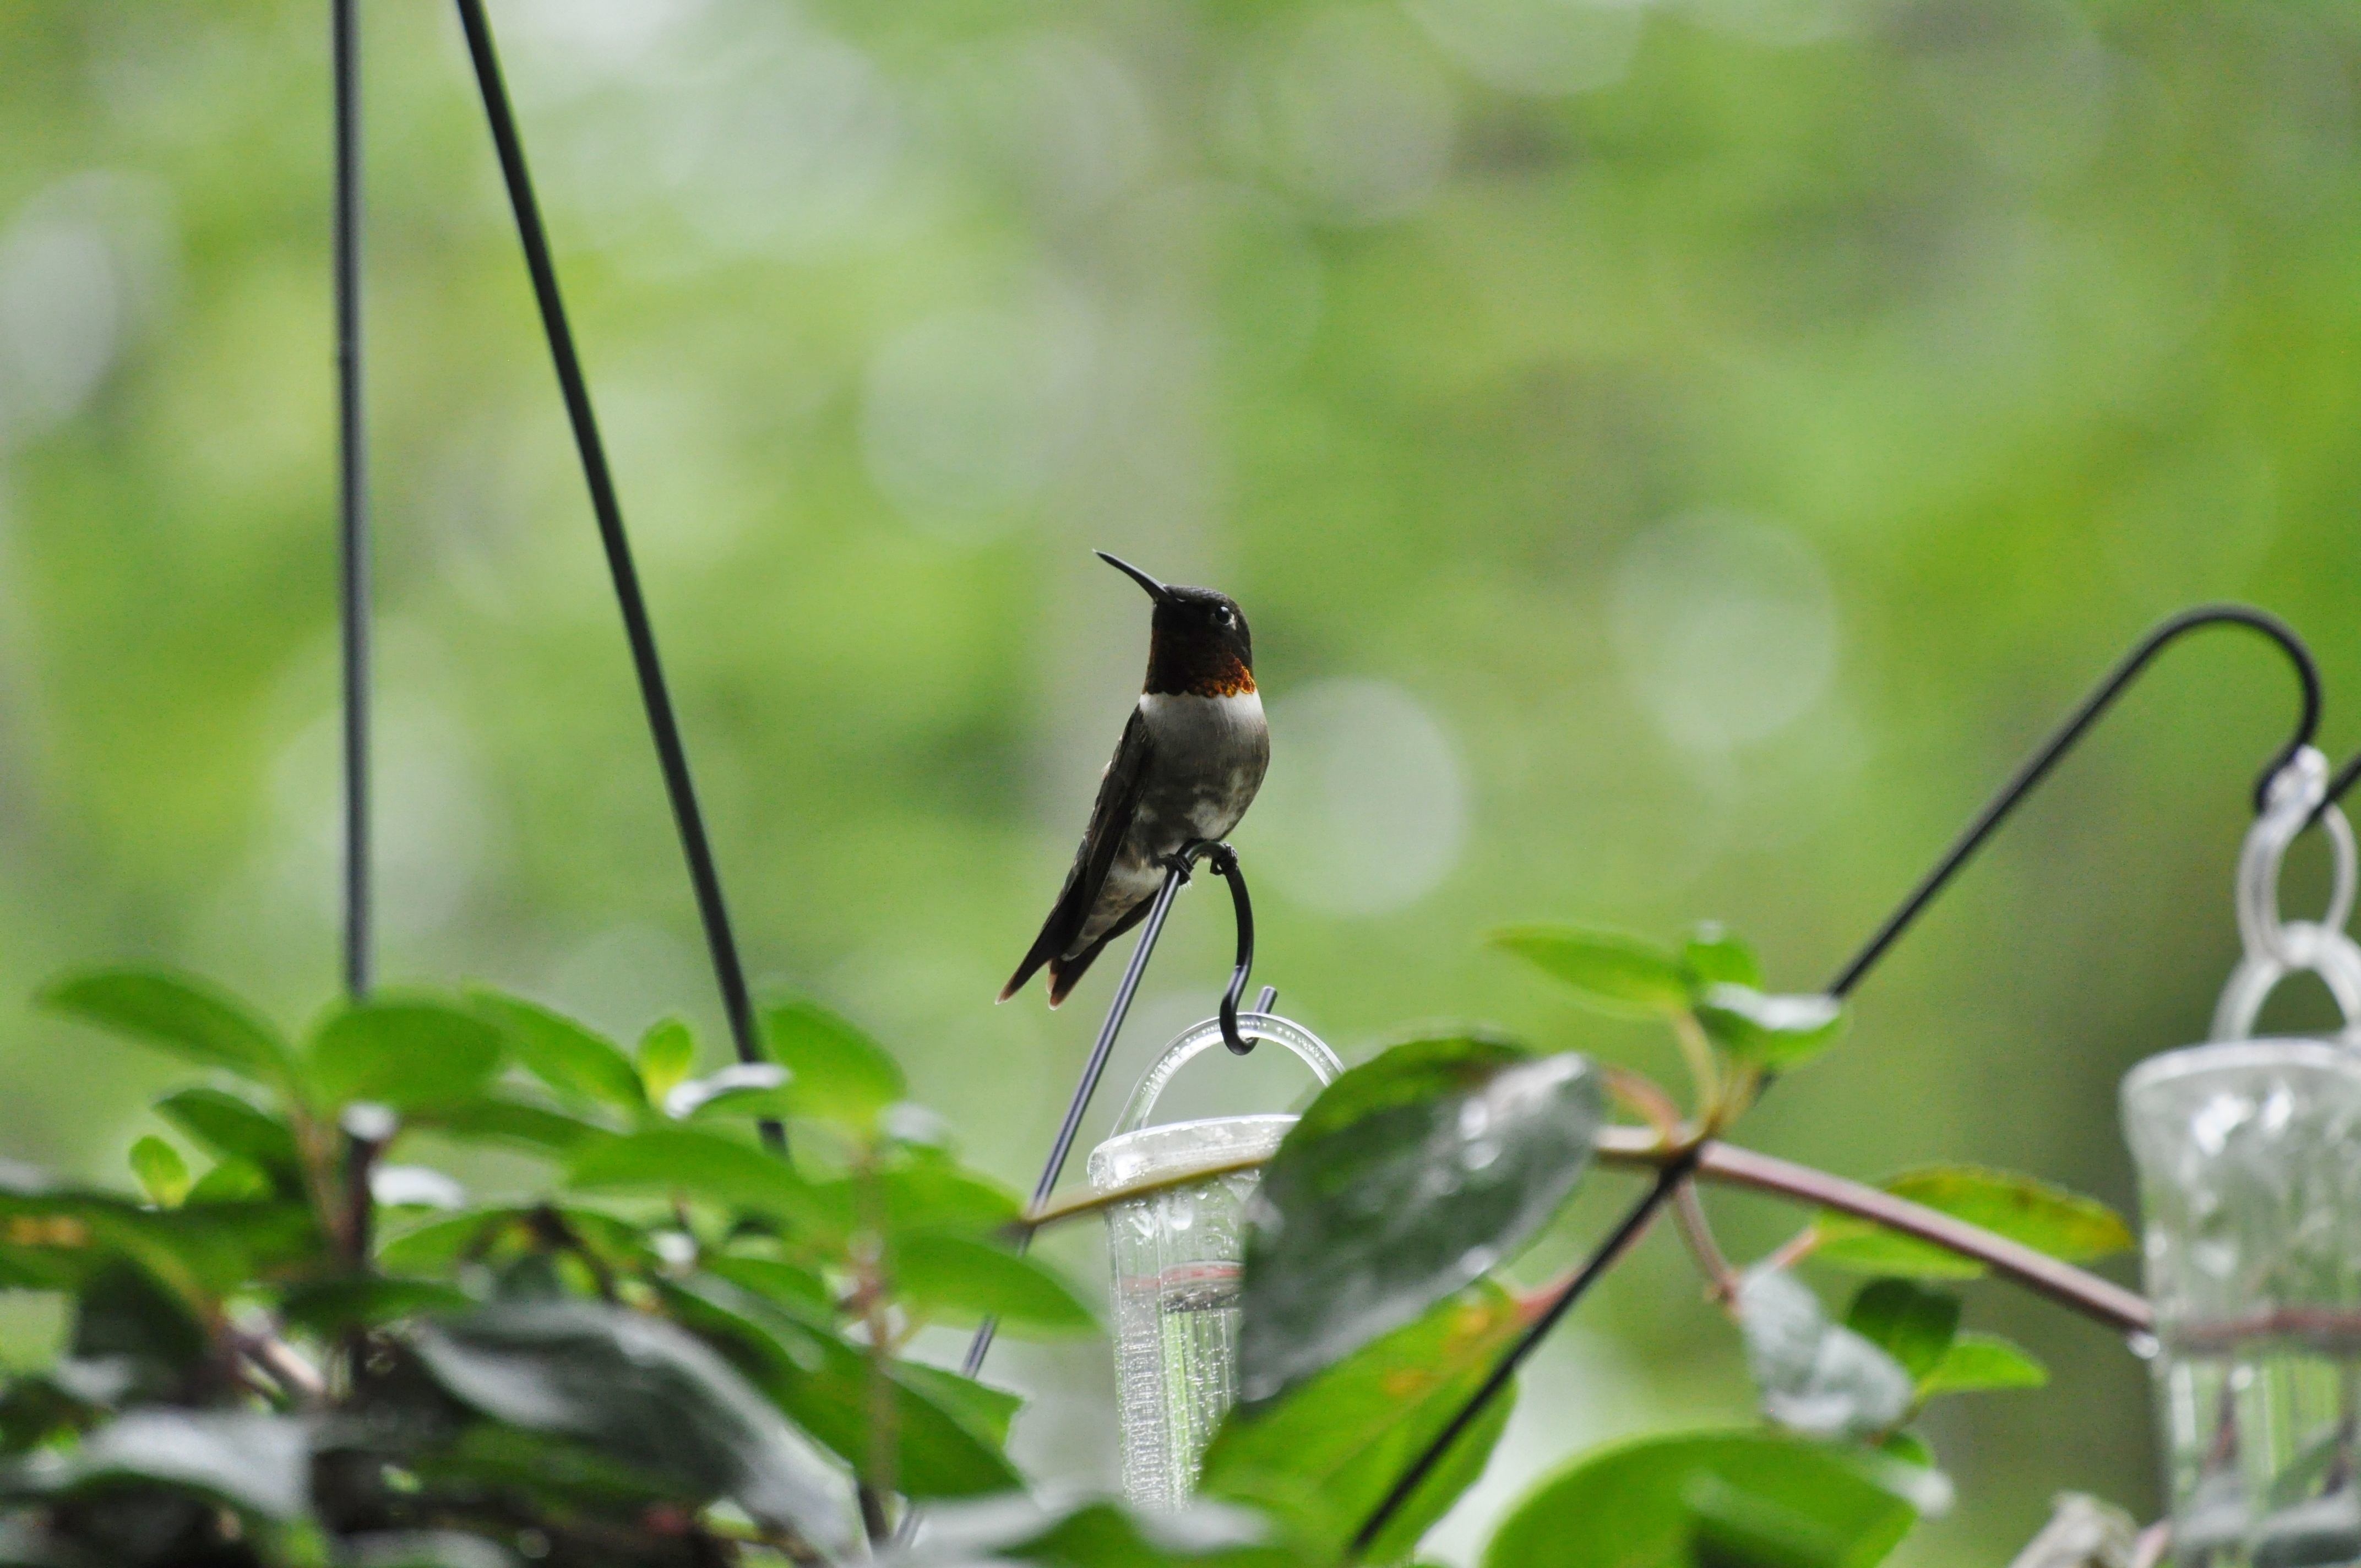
<point x="1176" y="1255"/>
<point x="2249" y="1157"/>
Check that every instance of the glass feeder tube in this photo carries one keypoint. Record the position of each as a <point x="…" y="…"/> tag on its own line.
<point x="2250" y="1158"/>
<point x="1175" y="1256"/>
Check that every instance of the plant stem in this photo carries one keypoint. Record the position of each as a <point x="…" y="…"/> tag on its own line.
<point x="1637" y="1148"/>
<point x="1721" y="1279"/>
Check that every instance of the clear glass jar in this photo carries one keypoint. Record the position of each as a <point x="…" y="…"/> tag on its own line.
<point x="1175" y="1256"/>
<point x="2249" y="1156"/>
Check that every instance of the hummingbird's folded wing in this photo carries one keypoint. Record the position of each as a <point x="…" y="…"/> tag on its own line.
<point x="1110" y="823"/>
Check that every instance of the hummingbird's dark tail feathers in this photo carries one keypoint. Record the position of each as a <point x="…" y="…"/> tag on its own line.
<point x="1066" y="973"/>
<point x="1045" y="947"/>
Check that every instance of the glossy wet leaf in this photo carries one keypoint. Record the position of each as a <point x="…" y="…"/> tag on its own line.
<point x="235" y="1129"/>
<point x="709" y="1167"/>
<point x="176" y="1015"/>
<point x="1974" y="1362"/>
<point x="2028" y="1210"/>
<point x="642" y="1392"/>
<point x="1324" y="1455"/>
<point x="747" y="1089"/>
<point x="1774" y="1033"/>
<point x="1609" y="970"/>
<point x="1816" y="1377"/>
<point x="576" y="1062"/>
<point x="944" y="1446"/>
<point x="836" y="1073"/>
<point x="1409" y="1178"/>
<point x="667" y="1055"/>
<point x="1744" y="1497"/>
<point x="161" y="1173"/>
<point x="258" y="1463"/>
<point x="962" y="1279"/>
<point x="1913" y="1325"/>
<point x="402" y="1054"/>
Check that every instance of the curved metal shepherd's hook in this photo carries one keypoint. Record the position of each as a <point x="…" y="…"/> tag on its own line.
<point x="1997" y="810"/>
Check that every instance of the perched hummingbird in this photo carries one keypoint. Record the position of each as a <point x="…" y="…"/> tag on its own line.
<point x="1192" y="756"/>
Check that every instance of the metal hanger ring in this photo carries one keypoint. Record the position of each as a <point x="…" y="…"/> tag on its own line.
<point x="2296" y="793"/>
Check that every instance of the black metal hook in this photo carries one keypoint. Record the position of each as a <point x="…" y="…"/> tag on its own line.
<point x="1683" y="1164"/>
<point x="1224" y="861"/>
<point x="2064" y="739"/>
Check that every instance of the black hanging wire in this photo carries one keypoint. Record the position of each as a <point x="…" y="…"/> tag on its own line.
<point x="352" y="498"/>
<point x="662" y="725"/>
<point x="1684" y="1162"/>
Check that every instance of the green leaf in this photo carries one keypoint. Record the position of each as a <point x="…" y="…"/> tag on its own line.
<point x="1094" y="1534"/>
<point x="978" y="1406"/>
<point x="925" y="1193"/>
<point x="747" y="1089"/>
<point x="836" y="1073"/>
<point x="172" y="1013"/>
<point x="1914" y="1326"/>
<point x="644" y="1393"/>
<point x="261" y="1463"/>
<point x="1409" y="1178"/>
<point x="1976" y="1361"/>
<point x="944" y="1447"/>
<point x="234" y="1181"/>
<point x="1814" y="1377"/>
<point x="163" y="1174"/>
<point x="2052" y="1220"/>
<point x="962" y="1280"/>
<point x="576" y="1062"/>
<point x="800" y="1289"/>
<point x="1610" y="972"/>
<point x="1324" y="1456"/>
<point x="496" y="1120"/>
<point x="667" y="1055"/>
<point x="329" y="1307"/>
<point x="702" y="1165"/>
<point x="1713" y="957"/>
<point x="404" y="1054"/>
<point x="440" y="1246"/>
<point x="1654" y="1502"/>
<point x="235" y="1130"/>
<point x="1774" y="1033"/>
<point x="421" y="1549"/>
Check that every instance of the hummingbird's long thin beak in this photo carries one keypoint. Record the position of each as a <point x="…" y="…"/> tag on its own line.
<point x="1156" y="590"/>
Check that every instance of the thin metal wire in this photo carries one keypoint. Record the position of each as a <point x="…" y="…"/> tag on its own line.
<point x="1997" y="811"/>
<point x="352" y="496"/>
<point x="662" y="726"/>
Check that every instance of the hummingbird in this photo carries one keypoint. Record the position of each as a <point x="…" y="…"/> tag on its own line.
<point x="1192" y="757"/>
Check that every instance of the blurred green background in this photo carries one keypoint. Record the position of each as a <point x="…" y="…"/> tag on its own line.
<point x="1676" y="455"/>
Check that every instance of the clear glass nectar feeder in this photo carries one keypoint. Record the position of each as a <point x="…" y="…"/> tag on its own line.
<point x="1175" y="1256"/>
<point x="2249" y="1157"/>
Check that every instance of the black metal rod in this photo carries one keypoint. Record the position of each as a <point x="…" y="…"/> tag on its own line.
<point x="662" y="726"/>
<point x="2010" y="794"/>
<point x="2063" y="739"/>
<point x="352" y="496"/>
<point x="1085" y="1086"/>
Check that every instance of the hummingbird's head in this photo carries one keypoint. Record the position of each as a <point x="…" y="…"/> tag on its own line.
<point x="1199" y="643"/>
